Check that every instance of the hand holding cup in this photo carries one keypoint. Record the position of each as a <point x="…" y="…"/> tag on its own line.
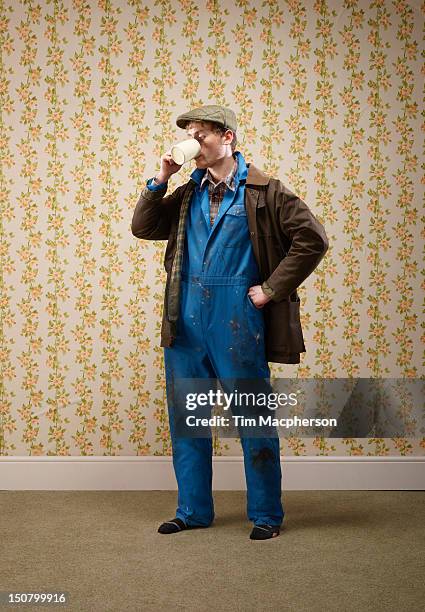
<point x="175" y="157"/>
<point x="168" y="167"/>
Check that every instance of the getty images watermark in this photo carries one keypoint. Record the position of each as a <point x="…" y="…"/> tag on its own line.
<point x="305" y="407"/>
<point x="271" y="401"/>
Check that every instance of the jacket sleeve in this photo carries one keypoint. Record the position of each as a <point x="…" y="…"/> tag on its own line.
<point x="308" y="244"/>
<point x="154" y="213"/>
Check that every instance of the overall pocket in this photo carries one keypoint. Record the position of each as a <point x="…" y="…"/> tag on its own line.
<point x="254" y="319"/>
<point x="235" y="227"/>
<point x="251" y="303"/>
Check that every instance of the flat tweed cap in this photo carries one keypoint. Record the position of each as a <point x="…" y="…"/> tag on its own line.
<point x="219" y="114"/>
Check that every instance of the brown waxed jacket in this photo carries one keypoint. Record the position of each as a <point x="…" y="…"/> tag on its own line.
<point x="288" y="243"/>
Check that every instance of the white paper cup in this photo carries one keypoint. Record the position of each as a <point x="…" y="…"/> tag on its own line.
<point x="186" y="150"/>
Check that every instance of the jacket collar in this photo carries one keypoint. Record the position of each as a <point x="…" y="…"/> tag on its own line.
<point x="256" y="176"/>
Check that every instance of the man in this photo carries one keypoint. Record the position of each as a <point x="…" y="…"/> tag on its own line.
<point x="239" y="245"/>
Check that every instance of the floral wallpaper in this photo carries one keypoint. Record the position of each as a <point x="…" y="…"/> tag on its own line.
<point x="329" y="99"/>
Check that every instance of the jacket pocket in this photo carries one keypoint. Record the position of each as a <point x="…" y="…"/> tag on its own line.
<point x="283" y="327"/>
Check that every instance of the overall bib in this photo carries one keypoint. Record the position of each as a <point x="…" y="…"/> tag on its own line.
<point x="220" y="335"/>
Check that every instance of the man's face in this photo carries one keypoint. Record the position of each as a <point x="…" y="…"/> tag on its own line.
<point x="213" y="144"/>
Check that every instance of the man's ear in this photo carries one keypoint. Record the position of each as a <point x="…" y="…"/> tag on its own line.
<point x="227" y="135"/>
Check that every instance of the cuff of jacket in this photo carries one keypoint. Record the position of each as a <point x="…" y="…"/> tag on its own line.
<point x="154" y="194"/>
<point x="268" y="290"/>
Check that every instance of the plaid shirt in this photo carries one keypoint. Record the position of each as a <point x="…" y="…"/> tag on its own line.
<point x="216" y="191"/>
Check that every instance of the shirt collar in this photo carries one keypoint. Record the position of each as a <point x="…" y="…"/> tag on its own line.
<point x="229" y="180"/>
<point x="240" y="176"/>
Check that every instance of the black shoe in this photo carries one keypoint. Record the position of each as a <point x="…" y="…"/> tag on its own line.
<point x="176" y="525"/>
<point x="264" y="532"/>
<point x="172" y="526"/>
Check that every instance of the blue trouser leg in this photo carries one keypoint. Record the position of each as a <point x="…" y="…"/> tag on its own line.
<point x="236" y="344"/>
<point x="221" y="336"/>
<point x="192" y="457"/>
<point x="263" y="480"/>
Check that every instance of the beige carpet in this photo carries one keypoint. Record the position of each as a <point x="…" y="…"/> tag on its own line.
<point x="338" y="551"/>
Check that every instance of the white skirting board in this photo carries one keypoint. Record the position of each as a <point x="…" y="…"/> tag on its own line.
<point x="98" y="473"/>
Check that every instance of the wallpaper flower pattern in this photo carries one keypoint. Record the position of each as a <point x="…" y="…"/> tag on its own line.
<point x="329" y="97"/>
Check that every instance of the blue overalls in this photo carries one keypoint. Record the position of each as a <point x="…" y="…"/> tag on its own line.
<point x="220" y="335"/>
